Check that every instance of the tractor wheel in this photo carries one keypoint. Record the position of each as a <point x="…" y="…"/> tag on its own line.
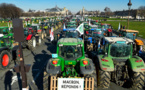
<point x="32" y="43"/>
<point x="46" y="80"/>
<point x="94" y="75"/>
<point x="39" y="41"/>
<point x="103" y="78"/>
<point x="5" y="58"/>
<point x="47" y="32"/>
<point x="138" y="80"/>
<point x="42" y="36"/>
<point x="44" y="33"/>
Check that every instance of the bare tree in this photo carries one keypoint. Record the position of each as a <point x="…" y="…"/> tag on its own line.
<point x="108" y="11"/>
<point x="142" y="10"/>
<point x="9" y="11"/>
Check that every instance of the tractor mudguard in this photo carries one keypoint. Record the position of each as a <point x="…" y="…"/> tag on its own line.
<point x="29" y="37"/>
<point x="53" y="69"/>
<point x="139" y="42"/>
<point x="105" y="63"/>
<point x="109" y="30"/>
<point x="88" y="69"/>
<point x="136" y="64"/>
<point x="4" y="48"/>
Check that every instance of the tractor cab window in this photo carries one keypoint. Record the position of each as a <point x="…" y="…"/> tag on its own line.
<point x="120" y="50"/>
<point x="131" y="35"/>
<point x="4" y="30"/>
<point x="105" y="26"/>
<point x="34" y="27"/>
<point x="97" y="33"/>
<point x="72" y="34"/>
<point x="70" y="52"/>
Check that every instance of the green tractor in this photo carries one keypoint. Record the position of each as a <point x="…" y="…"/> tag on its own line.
<point x="117" y="63"/>
<point x="7" y="52"/>
<point x="69" y="63"/>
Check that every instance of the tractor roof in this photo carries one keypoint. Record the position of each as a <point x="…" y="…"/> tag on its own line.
<point x="104" y="24"/>
<point x="128" y="30"/>
<point x="34" y="25"/>
<point x="70" y="40"/>
<point x="3" y="27"/>
<point x="115" y="39"/>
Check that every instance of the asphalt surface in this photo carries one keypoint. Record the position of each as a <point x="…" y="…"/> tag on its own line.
<point x="10" y="80"/>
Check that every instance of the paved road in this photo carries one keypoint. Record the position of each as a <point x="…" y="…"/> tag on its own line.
<point x="38" y="59"/>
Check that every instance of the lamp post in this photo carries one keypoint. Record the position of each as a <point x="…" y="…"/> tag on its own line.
<point x="129" y="6"/>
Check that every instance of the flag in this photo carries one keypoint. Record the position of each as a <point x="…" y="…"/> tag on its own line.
<point x="82" y="19"/>
<point x="64" y="26"/>
<point x="8" y="24"/>
<point x="89" y="23"/>
<point x="80" y="29"/>
<point x="119" y="27"/>
<point x="26" y="23"/>
<point x="51" y="34"/>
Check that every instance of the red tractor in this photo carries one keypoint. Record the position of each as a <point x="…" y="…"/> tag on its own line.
<point x="33" y="37"/>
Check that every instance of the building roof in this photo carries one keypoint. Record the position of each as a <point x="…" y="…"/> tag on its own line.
<point x="115" y="39"/>
<point x="55" y="9"/>
<point x="69" y="40"/>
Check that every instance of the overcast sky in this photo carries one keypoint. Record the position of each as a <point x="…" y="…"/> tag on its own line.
<point x="75" y="5"/>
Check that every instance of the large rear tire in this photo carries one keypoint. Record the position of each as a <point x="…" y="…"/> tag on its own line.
<point x="32" y="43"/>
<point x="46" y="78"/>
<point x="103" y="78"/>
<point x="5" y="59"/>
<point x="94" y="75"/>
<point x="138" y="80"/>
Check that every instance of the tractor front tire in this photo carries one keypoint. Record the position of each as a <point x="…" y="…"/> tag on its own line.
<point x="94" y="75"/>
<point x="32" y="43"/>
<point x="39" y="41"/>
<point x="5" y="59"/>
<point x="138" y="80"/>
<point x="46" y="80"/>
<point x="103" y="78"/>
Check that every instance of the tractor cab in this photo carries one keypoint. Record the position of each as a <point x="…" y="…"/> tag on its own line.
<point x="132" y="34"/>
<point x="35" y="28"/>
<point x="107" y="28"/>
<point x="4" y="30"/>
<point x="70" y="51"/>
<point x="93" y="40"/>
<point x="7" y="40"/>
<point x="118" y="47"/>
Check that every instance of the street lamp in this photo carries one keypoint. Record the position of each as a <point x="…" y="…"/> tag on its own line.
<point x="129" y="6"/>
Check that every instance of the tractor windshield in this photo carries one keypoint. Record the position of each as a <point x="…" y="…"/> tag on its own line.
<point x="70" y="52"/>
<point x="97" y="33"/>
<point x="131" y="35"/>
<point x="3" y="30"/>
<point x="72" y="34"/>
<point x="120" y="50"/>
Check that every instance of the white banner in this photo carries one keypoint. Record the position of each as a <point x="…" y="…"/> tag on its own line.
<point x="70" y="84"/>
